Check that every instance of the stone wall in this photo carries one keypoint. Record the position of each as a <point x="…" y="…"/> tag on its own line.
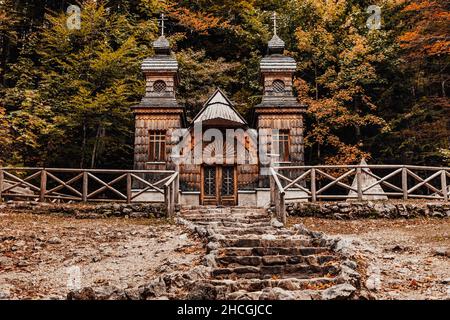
<point x="369" y="209"/>
<point x="90" y="211"/>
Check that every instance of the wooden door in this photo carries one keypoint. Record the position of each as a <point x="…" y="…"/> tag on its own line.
<point x="209" y="186"/>
<point x="228" y="186"/>
<point x="219" y="185"/>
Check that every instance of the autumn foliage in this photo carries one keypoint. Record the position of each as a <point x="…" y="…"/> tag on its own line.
<point x="379" y="94"/>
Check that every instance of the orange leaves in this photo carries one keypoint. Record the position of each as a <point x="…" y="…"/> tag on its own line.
<point x="418" y="5"/>
<point x="428" y="37"/>
<point x="198" y="21"/>
<point x="438" y="47"/>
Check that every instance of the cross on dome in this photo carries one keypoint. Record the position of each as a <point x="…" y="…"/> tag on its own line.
<point x="274" y="18"/>
<point x="162" y="19"/>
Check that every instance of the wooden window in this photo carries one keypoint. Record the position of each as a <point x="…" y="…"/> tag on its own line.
<point x="281" y="142"/>
<point x="157" y="147"/>
<point x="278" y="86"/>
<point x="159" y="86"/>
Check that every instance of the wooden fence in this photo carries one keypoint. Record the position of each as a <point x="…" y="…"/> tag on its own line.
<point x="359" y="182"/>
<point x="90" y="185"/>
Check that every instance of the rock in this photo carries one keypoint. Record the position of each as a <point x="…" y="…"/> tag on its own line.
<point x="22" y="264"/>
<point x="445" y="281"/>
<point x="54" y="240"/>
<point x="131" y="294"/>
<point x="202" y="291"/>
<point x="301" y="229"/>
<point x="343" y="245"/>
<point x="339" y="292"/>
<point x="209" y="260"/>
<point x="276" y="294"/>
<point x="6" y="262"/>
<point x="96" y="258"/>
<point x="274" y="260"/>
<point x="110" y="293"/>
<point x="4" y="294"/>
<point x="442" y="252"/>
<point x="183" y="237"/>
<point x="20" y="244"/>
<point x="211" y="246"/>
<point x="268" y="237"/>
<point x="127" y="211"/>
<point x="156" y="288"/>
<point x="83" y="294"/>
<point x="399" y="248"/>
<point x="276" y="224"/>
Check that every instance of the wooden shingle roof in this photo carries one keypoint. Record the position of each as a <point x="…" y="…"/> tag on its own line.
<point x="217" y="107"/>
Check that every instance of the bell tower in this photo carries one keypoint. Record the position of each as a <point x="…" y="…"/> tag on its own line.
<point x="280" y="113"/>
<point x="158" y="113"/>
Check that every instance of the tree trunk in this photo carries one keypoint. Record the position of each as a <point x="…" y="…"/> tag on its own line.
<point x="83" y="145"/>
<point x="94" y="150"/>
<point x="315" y="82"/>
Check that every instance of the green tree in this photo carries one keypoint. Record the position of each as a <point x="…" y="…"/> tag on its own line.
<point x="87" y="80"/>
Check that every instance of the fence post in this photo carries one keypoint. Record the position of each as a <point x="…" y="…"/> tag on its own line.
<point x="272" y="189"/>
<point x="282" y="209"/>
<point x="85" y="186"/>
<point x="167" y="199"/>
<point x="128" y="187"/>
<point x="359" y="183"/>
<point x="1" y="184"/>
<point x="172" y="197"/>
<point x="405" y="183"/>
<point x="313" y="185"/>
<point x="444" y="184"/>
<point x="43" y="188"/>
<point x="276" y="202"/>
<point x="177" y="188"/>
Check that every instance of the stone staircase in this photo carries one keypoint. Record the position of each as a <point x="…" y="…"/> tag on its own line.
<point x="252" y="256"/>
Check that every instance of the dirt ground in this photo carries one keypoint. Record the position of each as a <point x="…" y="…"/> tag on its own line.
<point x="410" y="259"/>
<point x="44" y="257"/>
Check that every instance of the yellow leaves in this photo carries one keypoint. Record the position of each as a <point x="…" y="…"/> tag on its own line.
<point x="302" y="88"/>
<point x="304" y="41"/>
<point x="5" y="137"/>
<point x="330" y="10"/>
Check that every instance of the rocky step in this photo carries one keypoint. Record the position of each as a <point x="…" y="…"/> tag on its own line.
<point x="235" y="224"/>
<point x="274" y="294"/>
<point x="270" y="251"/>
<point x="300" y="271"/>
<point x="227" y="218"/>
<point x="267" y="242"/>
<point x="248" y="210"/>
<point x="252" y="231"/>
<point x="236" y="261"/>
<point x="291" y="284"/>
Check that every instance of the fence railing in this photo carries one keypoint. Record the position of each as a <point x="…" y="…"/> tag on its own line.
<point x="89" y="185"/>
<point x="359" y="182"/>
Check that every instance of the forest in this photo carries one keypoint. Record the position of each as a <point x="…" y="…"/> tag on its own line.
<point x="379" y="93"/>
